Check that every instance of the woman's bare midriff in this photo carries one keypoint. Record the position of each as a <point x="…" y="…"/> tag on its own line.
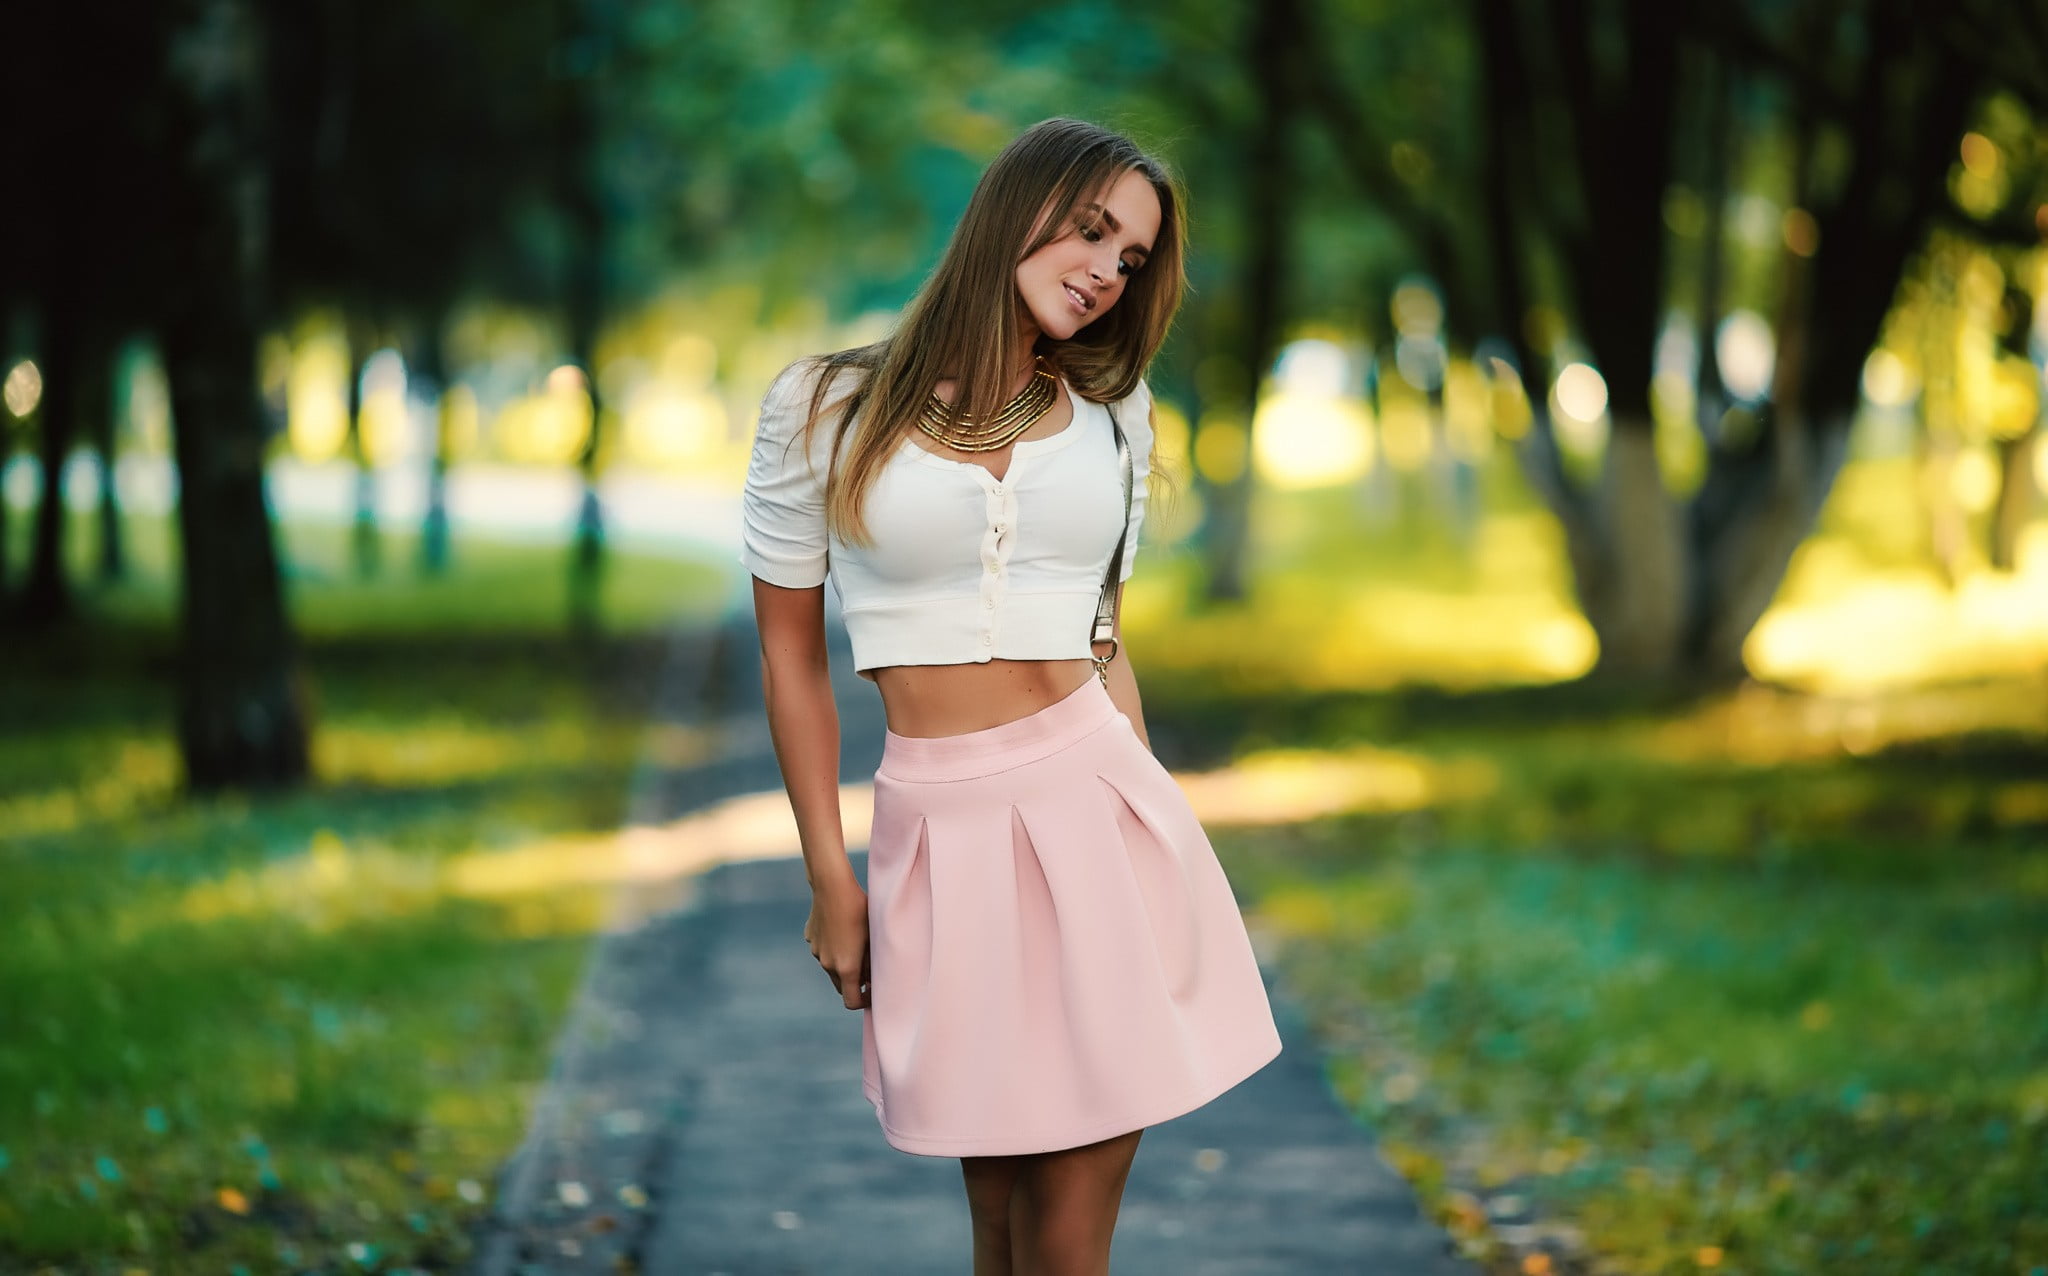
<point x="939" y="700"/>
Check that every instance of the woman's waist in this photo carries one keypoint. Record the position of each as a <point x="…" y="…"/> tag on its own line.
<point x="997" y="729"/>
<point x="929" y="701"/>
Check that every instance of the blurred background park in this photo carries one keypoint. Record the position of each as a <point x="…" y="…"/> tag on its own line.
<point x="1604" y="597"/>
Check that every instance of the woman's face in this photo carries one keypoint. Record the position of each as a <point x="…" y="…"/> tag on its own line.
<point x="1075" y="279"/>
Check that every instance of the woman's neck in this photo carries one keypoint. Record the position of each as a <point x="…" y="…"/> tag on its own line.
<point x="1023" y="357"/>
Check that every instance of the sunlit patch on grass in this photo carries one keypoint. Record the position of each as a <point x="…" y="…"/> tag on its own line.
<point x="137" y="775"/>
<point x="333" y="885"/>
<point x="449" y="749"/>
<point x="1279" y="786"/>
<point x="1885" y="629"/>
<point x="1759" y="725"/>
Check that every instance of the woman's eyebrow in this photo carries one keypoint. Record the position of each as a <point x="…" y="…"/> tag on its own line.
<point x="1117" y="227"/>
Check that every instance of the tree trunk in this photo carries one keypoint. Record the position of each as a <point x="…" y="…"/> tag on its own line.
<point x="1743" y="566"/>
<point x="363" y="545"/>
<point x="98" y="392"/>
<point x="1710" y="397"/>
<point x="46" y="594"/>
<point x="586" y="301"/>
<point x="586" y="559"/>
<point x="6" y="515"/>
<point x="430" y="366"/>
<point x="1276" y="27"/>
<point x="1509" y="140"/>
<point x="241" y="720"/>
<point x="2015" y="503"/>
<point x="1642" y="604"/>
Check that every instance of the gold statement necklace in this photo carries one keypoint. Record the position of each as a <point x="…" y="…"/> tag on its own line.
<point x="1015" y="417"/>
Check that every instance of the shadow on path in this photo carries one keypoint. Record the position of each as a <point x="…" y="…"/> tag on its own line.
<point x="704" y="1114"/>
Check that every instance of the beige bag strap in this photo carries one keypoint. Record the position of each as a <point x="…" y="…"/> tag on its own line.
<point x="1105" y="607"/>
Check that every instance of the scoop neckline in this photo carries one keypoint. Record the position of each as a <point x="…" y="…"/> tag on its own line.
<point x="1021" y="448"/>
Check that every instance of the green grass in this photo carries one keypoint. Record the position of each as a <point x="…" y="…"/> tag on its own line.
<point x="1788" y="1076"/>
<point x="302" y="1032"/>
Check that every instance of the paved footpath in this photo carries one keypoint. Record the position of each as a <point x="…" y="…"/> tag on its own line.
<point x="704" y="1113"/>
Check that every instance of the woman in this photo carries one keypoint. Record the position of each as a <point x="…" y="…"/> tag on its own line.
<point x="1047" y="955"/>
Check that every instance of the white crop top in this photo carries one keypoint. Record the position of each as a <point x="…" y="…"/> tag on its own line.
<point x="964" y="568"/>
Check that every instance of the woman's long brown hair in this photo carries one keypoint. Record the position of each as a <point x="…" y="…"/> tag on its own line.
<point x="963" y="322"/>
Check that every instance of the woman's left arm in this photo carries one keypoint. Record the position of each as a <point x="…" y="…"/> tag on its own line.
<point x="1123" y="684"/>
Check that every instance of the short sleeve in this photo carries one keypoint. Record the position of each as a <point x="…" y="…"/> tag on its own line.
<point x="1134" y="414"/>
<point x="782" y="509"/>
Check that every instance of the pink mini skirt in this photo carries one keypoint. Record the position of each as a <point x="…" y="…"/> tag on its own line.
<point x="1055" y="955"/>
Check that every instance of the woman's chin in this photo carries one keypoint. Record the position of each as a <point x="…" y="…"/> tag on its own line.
<point x="1060" y="327"/>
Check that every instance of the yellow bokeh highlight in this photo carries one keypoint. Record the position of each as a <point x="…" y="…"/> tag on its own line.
<point x="1220" y="448"/>
<point x="384" y="424"/>
<point x="23" y="388"/>
<point x="690" y="362"/>
<point x="1311" y="440"/>
<point x="460" y="421"/>
<point x="548" y="428"/>
<point x="1170" y="435"/>
<point x="668" y="426"/>
<point x="1404" y="432"/>
<point x="316" y="395"/>
<point x="1507" y="401"/>
<point x="1468" y="419"/>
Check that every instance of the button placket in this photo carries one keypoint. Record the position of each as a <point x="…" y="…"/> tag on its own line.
<point x="996" y="543"/>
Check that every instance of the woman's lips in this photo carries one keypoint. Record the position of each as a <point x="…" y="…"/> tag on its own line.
<point x="1081" y="302"/>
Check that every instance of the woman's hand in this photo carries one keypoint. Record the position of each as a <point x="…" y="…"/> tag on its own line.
<point x="837" y="932"/>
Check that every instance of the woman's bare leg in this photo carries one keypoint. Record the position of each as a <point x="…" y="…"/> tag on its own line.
<point x="1064" y="1205"/>
<point x="990" y="1182"/>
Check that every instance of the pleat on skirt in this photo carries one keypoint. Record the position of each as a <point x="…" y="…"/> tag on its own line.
<point x="1055" y="955"/>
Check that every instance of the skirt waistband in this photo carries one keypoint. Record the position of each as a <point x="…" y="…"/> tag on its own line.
<point x="1000" y="747"/>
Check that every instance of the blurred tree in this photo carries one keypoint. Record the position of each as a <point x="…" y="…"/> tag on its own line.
<point x="589" y="33"/>
<point x="1581" y="106"/>
<point x="242" y="718"/>
<point x="1241" y="331"/>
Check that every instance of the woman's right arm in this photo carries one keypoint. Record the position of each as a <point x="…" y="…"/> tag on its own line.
<point x="796" y="683"/>
<point x="783" y="545"/>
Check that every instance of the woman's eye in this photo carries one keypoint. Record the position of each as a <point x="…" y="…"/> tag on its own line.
<point x="1125" y="268"/>
<point x="1090" y="234"/>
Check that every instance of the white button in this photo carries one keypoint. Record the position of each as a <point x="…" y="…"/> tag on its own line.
<point x="999" y="527"/>
<point x="987" y="639"/>
<point x="988" y="604"/>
